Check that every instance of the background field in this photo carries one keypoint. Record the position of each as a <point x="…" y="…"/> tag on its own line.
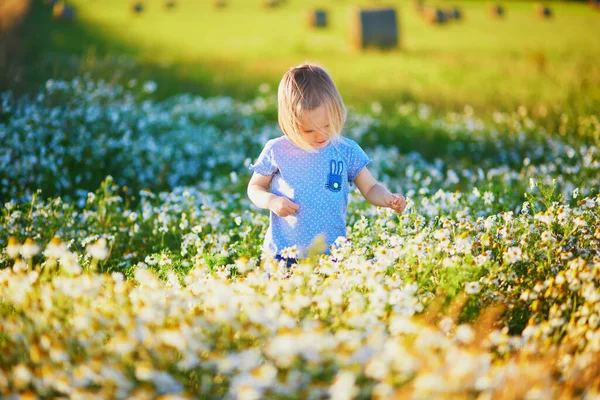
<point x="485" y="62"/>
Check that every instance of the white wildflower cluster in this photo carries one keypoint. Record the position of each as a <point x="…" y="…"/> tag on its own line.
<point x="154" y="284"/>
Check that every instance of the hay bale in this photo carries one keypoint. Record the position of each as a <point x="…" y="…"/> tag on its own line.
<point x="170" y="4"/>
<point x="63" y="12"/>
<point x="219" y="4"/>
<point x="496" y="10"/>
<point x="376" y="27"/>
<point x="543" y="11"/>
<point x="454" y="13"/>
<point x="435" y="15"/>
<point x="316" y="18"/>
<point x="137" y="7"/>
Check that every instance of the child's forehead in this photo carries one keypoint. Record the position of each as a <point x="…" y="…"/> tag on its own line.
<point x="317" y="116"/>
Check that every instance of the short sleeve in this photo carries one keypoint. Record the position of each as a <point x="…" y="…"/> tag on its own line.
<point x="357" y="161"/>
<point x="265" y="164"/>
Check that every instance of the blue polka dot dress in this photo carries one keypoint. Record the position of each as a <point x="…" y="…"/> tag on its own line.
<point x="318" y="182"/>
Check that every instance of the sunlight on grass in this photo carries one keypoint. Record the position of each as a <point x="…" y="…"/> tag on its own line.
<point x="485" y="62"/>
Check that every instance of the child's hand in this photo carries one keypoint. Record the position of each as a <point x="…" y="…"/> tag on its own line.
<point x="397" y="202"/>
<point x="283" y="206"/>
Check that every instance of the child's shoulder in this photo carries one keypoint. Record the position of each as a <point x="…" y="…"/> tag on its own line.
<point x="347" y="141"/>
<point x="277" y="143"/>
<point x="347" y="144"/>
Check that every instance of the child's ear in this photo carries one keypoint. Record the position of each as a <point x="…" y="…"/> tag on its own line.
<point x="332" y="166"/>
<point x="340" y="167"/>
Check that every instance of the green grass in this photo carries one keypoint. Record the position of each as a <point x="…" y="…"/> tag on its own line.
<point x="490" y="64"/>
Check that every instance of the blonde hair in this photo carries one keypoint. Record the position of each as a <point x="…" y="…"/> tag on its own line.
<point x="305" y="88"/>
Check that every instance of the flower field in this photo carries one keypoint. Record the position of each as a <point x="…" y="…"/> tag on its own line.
<point x="131" y="263"/>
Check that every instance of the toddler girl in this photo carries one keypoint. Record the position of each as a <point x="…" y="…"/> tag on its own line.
<point x="309" y="169"/>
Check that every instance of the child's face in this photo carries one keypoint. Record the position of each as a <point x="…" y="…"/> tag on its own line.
<point x="315" y="127"/>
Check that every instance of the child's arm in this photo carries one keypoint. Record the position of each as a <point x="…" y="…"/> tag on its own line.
<point x="377" y="194"/>
<point x="258" y="192"/>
